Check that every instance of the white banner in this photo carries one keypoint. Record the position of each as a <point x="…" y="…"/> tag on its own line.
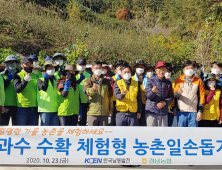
<point x="56" y="145"/>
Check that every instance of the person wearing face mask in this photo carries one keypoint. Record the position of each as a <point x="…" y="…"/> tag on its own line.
<point x="60" y="60"/>
<point x="2" y="97"/>
<point x="190" y="94"/>
<point x="99" y="92"/>
<point x="47" y="96"/>
<point x="159" y="96"/>
<point x="25" y="84"/>
<point x="35" y="59"/>
<point x="149" y="71"/>
<point x="68" y="97"/>
<point x="128" y="99"/>
<point x="105" y="70"/>
<point x="140" y="77"/>
<point x="11" y="69"/>
<point x="172" y="108"/>
<point x="81" y="77"/>
<point x="117" y="66"/>
<point x="216" y="68"/>
<point x="212" y="114"/>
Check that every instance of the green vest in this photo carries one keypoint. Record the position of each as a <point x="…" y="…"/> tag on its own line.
<point x="57" y="75"/>
<point x="47" y="100"/>
<point x="10" y="94"/>
<point x="28" y="97"/>
<point x="83" y="96"/>
<point x="39" y="74"/>
<point x="69" y="105"/>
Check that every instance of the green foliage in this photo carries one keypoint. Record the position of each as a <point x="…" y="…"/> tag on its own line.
<point x="75" y="51"/>
<point x="166" y="30"/>
<point x="42" y="55"/>
<point x="6" y="52"/>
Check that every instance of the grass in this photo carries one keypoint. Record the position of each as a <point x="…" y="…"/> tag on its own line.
<point x="27" y="28"/>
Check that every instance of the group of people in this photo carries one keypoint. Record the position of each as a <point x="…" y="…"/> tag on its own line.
<point x="134" y="95"/>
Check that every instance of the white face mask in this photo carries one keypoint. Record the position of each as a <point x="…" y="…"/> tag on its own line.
<point x="81" y="68"/>
<point x="104" y="71"/>
<point x="35" y="64"/>
<point x="149" y="74"/>
<point x="167" y="75"/>
<point x="189" y="72"/>
<point x="216" y="71"/>
<point x="119" y="73"/>
<point x="50" y="72"/>
<point x="139" y="70"/>
<point x="211" y="83"/>
<point x="126" y="76"/>
<point x="98" y="72"/>
<point x="59" y="62"/>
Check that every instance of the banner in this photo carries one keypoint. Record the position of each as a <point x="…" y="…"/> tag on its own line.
<point x="82" y="145"/>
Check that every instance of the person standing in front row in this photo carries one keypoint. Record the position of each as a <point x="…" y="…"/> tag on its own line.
<point x="128" y="99"/>
<point x="212" y="114"/>
<point x="99" y="92"/>
<point x="47" y="96"/>
<point x="159" y="96"/>
<point x="11" y="69"/>
<point x="190" y="94"/>
<point x="68" y="97"/>
<point x="25" y="84"/>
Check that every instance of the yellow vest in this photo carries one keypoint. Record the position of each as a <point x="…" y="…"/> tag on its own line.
<point x="212" y="110"/>
<point x="172" y="104"/>
<point x="143" y="92"/>
<point x="114" y="78"/>
<point x="129" y="103"/>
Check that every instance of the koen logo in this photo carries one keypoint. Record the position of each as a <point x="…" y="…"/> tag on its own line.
<point x="93" y="160"/>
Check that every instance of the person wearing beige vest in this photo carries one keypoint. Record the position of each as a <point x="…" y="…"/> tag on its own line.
<point x="190" y="94"/>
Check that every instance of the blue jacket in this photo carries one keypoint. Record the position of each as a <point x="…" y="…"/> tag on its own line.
<point x="164" y="93"/>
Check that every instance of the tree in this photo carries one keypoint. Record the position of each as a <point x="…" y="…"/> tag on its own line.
<point x="123" y="14"/>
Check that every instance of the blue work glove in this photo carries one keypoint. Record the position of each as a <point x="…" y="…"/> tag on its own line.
<point x="9" y="77"/>
<point x="82" y="77"/>
<point x="46" y="76"/>
<point x="67" y="84"/>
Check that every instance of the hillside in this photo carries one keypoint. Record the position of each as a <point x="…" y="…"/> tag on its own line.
<point x="170" y="30"/>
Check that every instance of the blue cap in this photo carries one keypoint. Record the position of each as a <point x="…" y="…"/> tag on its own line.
<point x="33" y="57"/>
<point x="47" y="58"/>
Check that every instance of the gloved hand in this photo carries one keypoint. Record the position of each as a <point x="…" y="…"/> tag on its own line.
<point x="67" y="84"/>
<point x="35" y="71"/>
<point x="82" y="77"/>
<point x="9" y="77"/>
<point x="28" y="77"/>
<point x="46" y="76"/>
